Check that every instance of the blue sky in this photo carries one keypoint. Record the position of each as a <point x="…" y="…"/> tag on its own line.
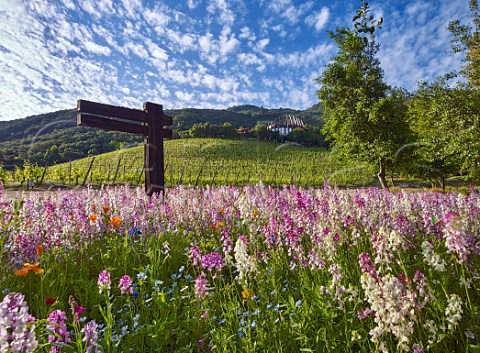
<point x="202" y="53"/>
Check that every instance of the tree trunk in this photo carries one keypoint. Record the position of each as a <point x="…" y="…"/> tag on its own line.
<point x="381" y="175"/>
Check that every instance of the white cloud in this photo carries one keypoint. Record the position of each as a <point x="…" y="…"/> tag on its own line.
<point x="318" y="19"/>
<point x="246" y="33"/>
<point x="221" y="9"/>
<point x="96" y="48"/>
<point x="261" y="44"/>
<point x="192" y="4"/>
<point x="155" y="51"/>
<point x="157" y="19"/>
<point x="286" y="9"/>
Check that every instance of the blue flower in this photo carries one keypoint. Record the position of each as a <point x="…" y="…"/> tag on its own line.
<point x="142" y="276"/>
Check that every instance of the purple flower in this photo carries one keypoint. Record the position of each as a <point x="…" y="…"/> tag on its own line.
<point x="367" y="265"/>
<point x="365" y="314"/>
<point x="56" y="323"/>
<point x="212" y="261"/>
<point x="201" y="284"/>
<point x="90" y="336"/>
<point x="125" y="285"/>
<point x="103" y="281"/>
<point x="417" y="348"/>
<point x="195" y="255"/>
<point x="14" y="334"/>
<point x="456" y="237"/>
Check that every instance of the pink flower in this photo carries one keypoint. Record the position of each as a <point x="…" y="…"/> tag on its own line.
<point x="201" y="284"/>
<point x="56" y="323"/>
<point x="77" y="311"/>
<point x="125" y="284"/>
<point x="103" y="281"/>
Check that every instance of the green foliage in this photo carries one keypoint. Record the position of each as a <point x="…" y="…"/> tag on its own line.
<point x="5" y="176"/>
<point x="261" y="132"/>
<point x="467" y="38"/>
<point x="205" y="130"/>
<point x="446" y="121"/>
<point x="309" y="136"/>
<point x="364" y="118"/>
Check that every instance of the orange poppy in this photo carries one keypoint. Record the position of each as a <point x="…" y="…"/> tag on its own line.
<point x="106" y="209"/>
<point x="39" y="250"/>
<point x="220" y="224"/>
<point x="115" y="221"/>
<point x="93" y="217"/>
<point x="27" y="267"/>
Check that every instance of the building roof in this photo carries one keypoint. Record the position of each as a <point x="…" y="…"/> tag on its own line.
<point x="288" y="121"/>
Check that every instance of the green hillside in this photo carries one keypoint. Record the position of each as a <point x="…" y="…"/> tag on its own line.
<point x="213" y="162"/>
<point x="55" y="138"/>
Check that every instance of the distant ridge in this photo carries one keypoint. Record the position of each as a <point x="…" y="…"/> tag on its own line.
<point x="55" y="138"/>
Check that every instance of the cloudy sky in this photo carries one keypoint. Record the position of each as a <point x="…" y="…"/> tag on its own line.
<point x="202" y="53"/>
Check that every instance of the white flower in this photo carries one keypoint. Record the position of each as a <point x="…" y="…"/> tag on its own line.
<point x="432" y="258"/>
<point x="245" y="263"/>
<point x="454" y="311"/>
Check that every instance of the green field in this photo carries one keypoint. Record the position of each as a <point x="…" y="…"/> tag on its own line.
<point x="201" y="162"/>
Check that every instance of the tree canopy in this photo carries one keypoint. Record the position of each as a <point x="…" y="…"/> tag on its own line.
<point x="364" y="117"/>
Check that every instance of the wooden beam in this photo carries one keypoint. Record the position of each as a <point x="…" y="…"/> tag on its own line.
<point x="167" y="134"/>
<point x="110" y="124"/>
<point x="94" y="108"/>
<point x="166" y="120"/>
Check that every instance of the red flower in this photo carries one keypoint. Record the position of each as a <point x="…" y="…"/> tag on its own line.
<point x="50" y="301"/>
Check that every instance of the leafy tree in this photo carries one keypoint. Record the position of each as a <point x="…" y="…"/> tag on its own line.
<point x="446" y="121"/>
<point x="467" y="38"/>
<point x="53" y="154"/>
<point x="309" y="136"/>
<point x="364" y="118"/>
<point x="261" y="132"/>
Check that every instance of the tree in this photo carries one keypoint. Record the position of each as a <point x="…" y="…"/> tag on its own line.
<point x="364" y="117"/>
<point x="446" y="122"/>
<point x="53" y="154"/>
<point x="467" y="38"/>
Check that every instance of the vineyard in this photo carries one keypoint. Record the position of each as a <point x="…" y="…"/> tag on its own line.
<point x="202" y="162"/>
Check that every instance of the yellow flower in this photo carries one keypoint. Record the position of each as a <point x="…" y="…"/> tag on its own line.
<point x="27" y="267"/>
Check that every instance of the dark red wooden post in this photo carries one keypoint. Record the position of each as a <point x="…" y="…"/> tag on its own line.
<point x="154" y="176"/>
<point x="148" y="122"/>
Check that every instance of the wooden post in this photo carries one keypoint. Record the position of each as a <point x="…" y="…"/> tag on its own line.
<point x="148" y="122"/>
<point x="88" y="171"/>
<point x="154" y="176"/>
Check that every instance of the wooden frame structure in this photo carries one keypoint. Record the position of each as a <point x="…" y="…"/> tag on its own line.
<point x="148" y="122"/>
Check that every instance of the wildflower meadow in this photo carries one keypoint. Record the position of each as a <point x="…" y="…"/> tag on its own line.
<point x="250" y="269"/>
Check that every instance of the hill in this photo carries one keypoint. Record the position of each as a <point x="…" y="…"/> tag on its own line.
<point x="55" y="138"/>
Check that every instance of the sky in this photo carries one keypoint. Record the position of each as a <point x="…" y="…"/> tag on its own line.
<point x="203" y="53"/>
